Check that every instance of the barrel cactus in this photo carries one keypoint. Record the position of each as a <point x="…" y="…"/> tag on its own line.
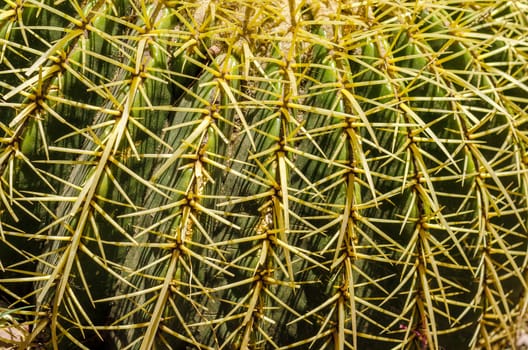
<point x="263" y="174"/>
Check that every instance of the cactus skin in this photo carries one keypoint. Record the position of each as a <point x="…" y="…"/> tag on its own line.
<point x="254" y="175"/>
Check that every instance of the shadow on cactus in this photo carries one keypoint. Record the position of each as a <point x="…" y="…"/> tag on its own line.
<point x="263" y="174"/>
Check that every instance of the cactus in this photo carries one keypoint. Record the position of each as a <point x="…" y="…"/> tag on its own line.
<point x="263" y="174"/>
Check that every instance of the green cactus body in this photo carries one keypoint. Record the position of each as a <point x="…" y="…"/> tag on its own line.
<point x="263" y="174"/>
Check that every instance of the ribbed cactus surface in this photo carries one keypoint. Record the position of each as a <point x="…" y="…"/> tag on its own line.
<point x="263" y="174"/>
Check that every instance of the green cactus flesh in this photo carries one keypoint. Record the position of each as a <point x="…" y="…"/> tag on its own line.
<point x="263" y="174"/>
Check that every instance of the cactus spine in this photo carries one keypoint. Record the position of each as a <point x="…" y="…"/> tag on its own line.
<point x="263" y="174"/>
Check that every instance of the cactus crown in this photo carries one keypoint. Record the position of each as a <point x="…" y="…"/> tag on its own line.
<point x="263" y="174"/>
